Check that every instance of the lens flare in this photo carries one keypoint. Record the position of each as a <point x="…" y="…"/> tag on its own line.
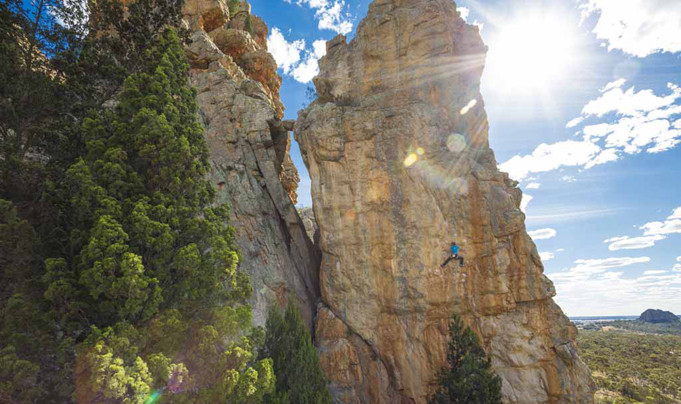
<point x="456" y="143"/>
<point x="420" y="151"/>
<point x="153" y="398"/>
<point x="410" y="160"/>
<point x="468" y="106"/>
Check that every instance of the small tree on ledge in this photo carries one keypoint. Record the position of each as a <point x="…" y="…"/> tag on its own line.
<point x="467" y="376"/>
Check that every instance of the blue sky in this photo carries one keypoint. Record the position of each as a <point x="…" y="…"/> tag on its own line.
<point x="584" y="105"/>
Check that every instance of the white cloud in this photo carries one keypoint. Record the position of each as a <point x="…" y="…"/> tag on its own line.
<point x="463" y="11"/>
<point x="654" y="272"/>
<point x="546" y="256"/>
<point x="677" y="124"/>
<point x="533" y="185"/>
<point x="309" y="68"/>
<point x="677" y="267"/>
<point x="676" y="214"/>
<point x="637" y="27"/>
<point x="603" y="157"/>
<point x="613" y="84"/>
<point x="290" y="59"/>
<point x="629" y="102"/>
<point x="567" y="213"/>
<point x="653" y="232"/>
<point x="574" y="122"/>
<point x="584" y="268"/>
<point x="589" y="288"/>
<point x="670" y="226"/>
<point x="632" y="243"/>
<point x="568" y="178"/>
<point x="330" y="14"/>
<point x="542" y="234"/>
<point x="525" y="201"/>
<point x="643" y="122"/>
<point x="287" y="54"/>
<point x="549" y="157"/>
<point x="600" y="265"/>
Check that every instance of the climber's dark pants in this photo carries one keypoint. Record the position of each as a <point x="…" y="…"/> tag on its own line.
<point x="452" y="257"/>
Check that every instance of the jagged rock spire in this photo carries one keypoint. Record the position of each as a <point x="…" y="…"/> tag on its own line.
<point x="397" y="149"/>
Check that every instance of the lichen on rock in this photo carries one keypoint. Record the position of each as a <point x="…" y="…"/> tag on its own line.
<point x="398" y="154"/>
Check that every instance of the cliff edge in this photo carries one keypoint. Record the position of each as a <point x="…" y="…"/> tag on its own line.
<point x="397" y="150"/>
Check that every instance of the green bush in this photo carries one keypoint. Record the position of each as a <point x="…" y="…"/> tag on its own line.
<point x="467" y="377"/>
<point x="295" y="361"/>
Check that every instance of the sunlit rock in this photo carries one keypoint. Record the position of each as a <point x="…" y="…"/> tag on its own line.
<point x="238" y="98"/>
<point x="397" y="150"/>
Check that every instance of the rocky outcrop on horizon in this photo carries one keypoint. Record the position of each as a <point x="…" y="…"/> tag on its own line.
<point x="238" y="96"/>
<point x="658" y="316"/>
<point x="397" y="149"/>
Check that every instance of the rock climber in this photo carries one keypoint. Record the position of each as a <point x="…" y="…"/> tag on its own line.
<point x="454" y="255"/>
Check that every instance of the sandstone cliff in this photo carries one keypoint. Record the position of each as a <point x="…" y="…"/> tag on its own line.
<point x="238" y="95"/>
<point x="397" y="150"/>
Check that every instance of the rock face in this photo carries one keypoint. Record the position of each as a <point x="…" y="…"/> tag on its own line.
<point x="307" y="214"/>
<point x="397" y="150"/>
<point x="238" y="95"/>
<point x="658" y="316"/>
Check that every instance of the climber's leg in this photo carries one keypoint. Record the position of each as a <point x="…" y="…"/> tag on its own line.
<point x="451" y="257"/>
<point x="461" y="260"/>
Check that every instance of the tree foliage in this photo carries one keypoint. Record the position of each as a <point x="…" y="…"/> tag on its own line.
<point x="467" y="376"/>
<point x="631" y="366"/>
<point x="296" y="365"/>
<point x="120" y="277"/>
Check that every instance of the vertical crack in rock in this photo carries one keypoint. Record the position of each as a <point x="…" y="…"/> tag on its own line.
<point x="238" y="96"/>
<point x="398" y="154"/>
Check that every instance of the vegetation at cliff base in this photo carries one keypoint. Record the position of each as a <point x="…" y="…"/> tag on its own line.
<point x="632" y="367"/>
<point x="119" y="277"/>
<point x="295" y="361"/>
<point x="467" y="376"/>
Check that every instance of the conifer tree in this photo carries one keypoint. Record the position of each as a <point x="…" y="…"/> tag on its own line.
<point x="296" y="365"/>
<point x="144" y="243"/>
<point x="467" y="377"/>
<point x="142" y="295"/>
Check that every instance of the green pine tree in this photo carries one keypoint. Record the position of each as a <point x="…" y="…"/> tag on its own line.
<point x="117" y="269"/>
<point x="145" y="264"/>
<point x="467" y="377"/>
<point x="295" y="361"/>
<point x="148" y="245"/>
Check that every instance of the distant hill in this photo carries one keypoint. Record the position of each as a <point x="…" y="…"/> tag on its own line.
<point x="658" y="316"/>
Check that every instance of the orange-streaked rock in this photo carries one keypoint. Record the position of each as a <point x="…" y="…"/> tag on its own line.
<point x="398" y="154"/>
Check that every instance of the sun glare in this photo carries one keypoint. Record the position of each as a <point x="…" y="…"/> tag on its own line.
<point x="531" y="52"/>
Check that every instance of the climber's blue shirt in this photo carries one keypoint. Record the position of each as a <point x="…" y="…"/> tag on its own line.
<point x="455" y="249"/>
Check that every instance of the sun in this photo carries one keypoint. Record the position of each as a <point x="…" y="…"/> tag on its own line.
<point x="531" y="52"/>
